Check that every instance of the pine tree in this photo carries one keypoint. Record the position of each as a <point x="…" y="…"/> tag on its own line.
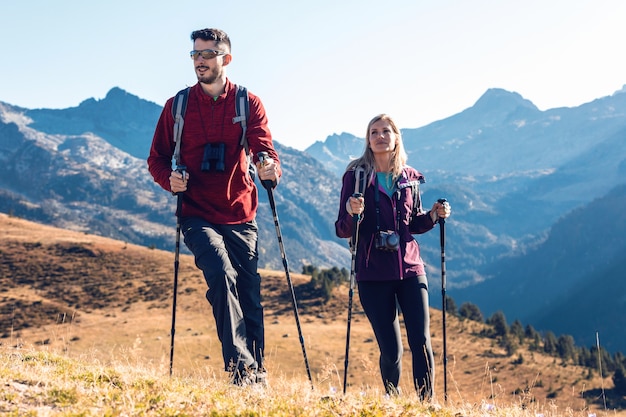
<point x="619" y="380"/>
<point x="450" y="306"/>
<point x="498" y="321"/>
<point x="470" y="311"/>
<point x="530" y="332"/>
<point x="549" y="343"/>
<point x="566" y="348"/>
<point x="517" y="330"/>
<point x="509" y="343"/>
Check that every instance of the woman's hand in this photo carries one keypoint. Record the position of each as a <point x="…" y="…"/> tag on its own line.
<point x="440" y="211"/>
<point x="355" y="204"/>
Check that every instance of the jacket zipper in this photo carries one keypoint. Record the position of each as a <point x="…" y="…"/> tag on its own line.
<point x="396" y="229"/>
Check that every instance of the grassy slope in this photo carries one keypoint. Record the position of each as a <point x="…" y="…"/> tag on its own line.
<point x="106" y="301"/>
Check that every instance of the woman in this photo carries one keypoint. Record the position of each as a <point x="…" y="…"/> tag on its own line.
<point x="383" y="192"/>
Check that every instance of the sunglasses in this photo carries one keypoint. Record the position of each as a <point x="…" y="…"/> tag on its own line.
<point x="205" y="54"/>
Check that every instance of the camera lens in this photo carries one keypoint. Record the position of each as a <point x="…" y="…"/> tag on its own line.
<point x="393" y="240"/>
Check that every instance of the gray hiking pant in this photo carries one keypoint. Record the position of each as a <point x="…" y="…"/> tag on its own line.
<point x="228" y="258"/>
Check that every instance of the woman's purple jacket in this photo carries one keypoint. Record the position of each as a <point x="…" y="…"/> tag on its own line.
<point x="373" y="264"/>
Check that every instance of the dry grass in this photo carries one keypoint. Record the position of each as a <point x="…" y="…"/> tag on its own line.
<point x="76" y="304"/>
<point x="40" y="383"/>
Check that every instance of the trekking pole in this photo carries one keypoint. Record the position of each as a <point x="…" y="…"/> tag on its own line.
<point x="267" y="184"/>
<point x="179" y="206"/>
<point x="353" y="243"/>
<point x="442" y="238"/>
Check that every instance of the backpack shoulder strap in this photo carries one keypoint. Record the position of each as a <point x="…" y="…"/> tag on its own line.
<point x="417" y="198"/>
<point x="414" y="185"/>
<point x="242" y="111"/>
<point x="179" y="106"/>
<point x="359" y="180"/>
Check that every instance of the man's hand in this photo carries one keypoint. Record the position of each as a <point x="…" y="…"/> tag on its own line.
<point x="268" y="170"/>
<point x="178" y="182"/>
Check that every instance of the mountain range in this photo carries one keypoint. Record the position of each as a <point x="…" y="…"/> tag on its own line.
<point x="537" y="197"/>
<point x="84" y="168"/>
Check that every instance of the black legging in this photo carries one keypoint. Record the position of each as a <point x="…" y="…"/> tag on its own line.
<point x="380" y="301"/>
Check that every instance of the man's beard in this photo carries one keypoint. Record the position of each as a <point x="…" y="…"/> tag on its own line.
<point x="210" y="77"/>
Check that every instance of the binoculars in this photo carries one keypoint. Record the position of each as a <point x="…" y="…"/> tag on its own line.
<point x="213" y="157"/>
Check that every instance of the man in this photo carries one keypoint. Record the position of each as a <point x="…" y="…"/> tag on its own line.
<point x="220" y="199"/>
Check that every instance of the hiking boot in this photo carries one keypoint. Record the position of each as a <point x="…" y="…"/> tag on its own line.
<point x="391" y="390"/>
<point x="243" y="377"/>
<point x="261" y="377"/>
<point x="249" y="376"/>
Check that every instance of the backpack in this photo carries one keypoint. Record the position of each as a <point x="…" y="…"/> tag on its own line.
<point x="242" y="111"/>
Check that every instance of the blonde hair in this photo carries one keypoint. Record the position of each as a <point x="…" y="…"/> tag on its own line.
<point x="398" y="155"/>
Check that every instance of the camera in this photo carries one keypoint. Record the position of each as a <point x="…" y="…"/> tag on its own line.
<point x="387" y="240"/>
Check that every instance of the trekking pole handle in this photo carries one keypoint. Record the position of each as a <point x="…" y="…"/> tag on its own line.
<point x="356" y="195"/>
<point x="263" y="157"/>
<point x="182" y="169"/>
<point x="442" y="201"/>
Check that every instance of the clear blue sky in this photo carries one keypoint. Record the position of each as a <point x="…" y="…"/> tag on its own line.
<point x="320" y="67"/>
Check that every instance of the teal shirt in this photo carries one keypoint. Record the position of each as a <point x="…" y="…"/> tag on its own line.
<point x="386" y="180"/>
